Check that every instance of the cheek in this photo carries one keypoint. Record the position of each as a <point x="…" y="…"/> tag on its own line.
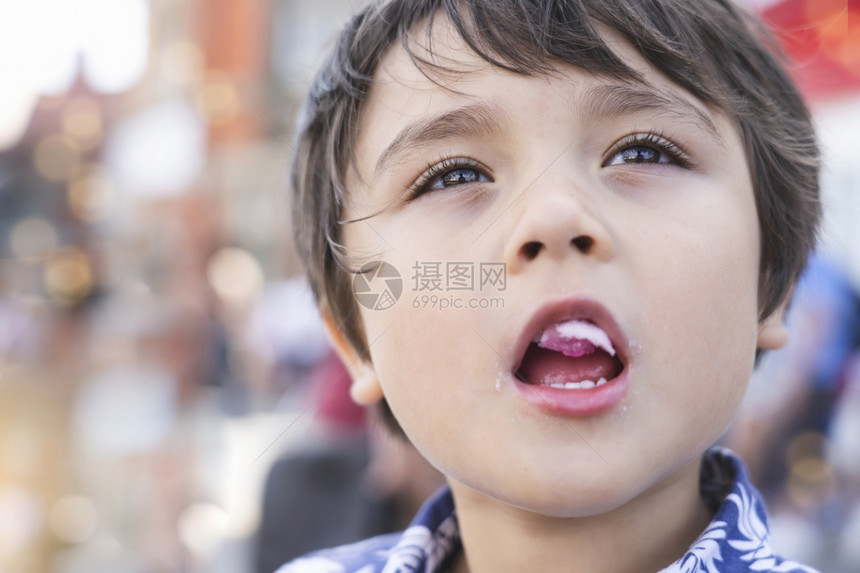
<point x="437" y="376"/>
<point x="710" y="265"/>
<point x="704" y="314"/>
<point x="413" y="355"/>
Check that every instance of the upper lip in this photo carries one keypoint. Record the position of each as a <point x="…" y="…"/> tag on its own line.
<point x="558" y="311"/>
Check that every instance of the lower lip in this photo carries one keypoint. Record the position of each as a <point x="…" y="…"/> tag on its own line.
<point x="578" y="403"/>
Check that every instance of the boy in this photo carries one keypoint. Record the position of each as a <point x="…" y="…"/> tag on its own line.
<point x="647" y="175"/>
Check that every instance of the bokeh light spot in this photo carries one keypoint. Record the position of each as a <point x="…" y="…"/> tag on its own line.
<point x="217" y="98"/>
<point x="202" y="528"/>
<point x="68" y="277"/>
<point x="82" y="122"/>
<point x="235" y="275"/>
<point x="56" y="158"/>
<point x="806" y="445"/>
<point x="91" y="194"/>
<point x="811" y="479"/>
<point x="73" y="519"/>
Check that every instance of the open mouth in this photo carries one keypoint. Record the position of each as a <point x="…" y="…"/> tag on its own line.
<point x="573" y="354"/>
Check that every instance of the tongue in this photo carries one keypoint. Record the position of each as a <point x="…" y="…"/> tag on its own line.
<point x="573" y="348"/>
<point x="575" y="338"/>
<point x="542" y="366"/>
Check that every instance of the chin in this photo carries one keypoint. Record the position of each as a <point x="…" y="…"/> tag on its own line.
<point x="576" y="497"/>
<point x="583" y="503"/>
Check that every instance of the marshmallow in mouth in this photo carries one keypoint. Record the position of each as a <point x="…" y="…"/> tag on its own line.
<point x="573" y="355"/>
<point x="575" y="338"/>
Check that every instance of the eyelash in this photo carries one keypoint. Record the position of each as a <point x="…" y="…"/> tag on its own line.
<point x="434" y="171"/>
<point x="655" y="141"/>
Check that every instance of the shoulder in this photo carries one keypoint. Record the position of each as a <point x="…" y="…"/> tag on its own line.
<point x="426" y="545"/>
<point x="368" y="556"/>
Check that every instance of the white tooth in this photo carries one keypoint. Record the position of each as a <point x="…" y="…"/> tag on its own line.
<point x="587" y="384"/>
<point x="601" y="382"/>
<point x="585" y="331"/>
<point x="558" y="385"/>
<point x="573" y="385"/>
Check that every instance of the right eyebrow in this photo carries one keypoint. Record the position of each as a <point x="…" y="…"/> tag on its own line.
<point x="480" y="119"/>
<point x="612" y="100"/>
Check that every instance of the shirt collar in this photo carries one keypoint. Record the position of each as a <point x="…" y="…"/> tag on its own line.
<point x="737" y="537"/>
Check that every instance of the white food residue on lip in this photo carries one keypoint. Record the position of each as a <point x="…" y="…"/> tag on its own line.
<point x="581" y="330"/>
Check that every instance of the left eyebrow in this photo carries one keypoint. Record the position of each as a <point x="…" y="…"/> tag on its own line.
<point x="611" y="100"/>
<point x="480" y="119"/>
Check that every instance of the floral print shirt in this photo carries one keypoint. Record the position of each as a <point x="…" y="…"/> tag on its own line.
<point x="737" y="539"/>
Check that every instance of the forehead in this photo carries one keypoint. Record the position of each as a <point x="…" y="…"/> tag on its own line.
<point x="444" y="78"/>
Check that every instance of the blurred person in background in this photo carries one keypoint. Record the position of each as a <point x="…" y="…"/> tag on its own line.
<point x="789" y="420"/>
<point x="349" y="480"/>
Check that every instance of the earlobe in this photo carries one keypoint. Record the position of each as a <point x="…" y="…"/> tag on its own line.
<point x="365" y="388"/>
<point x="772" y="332"/>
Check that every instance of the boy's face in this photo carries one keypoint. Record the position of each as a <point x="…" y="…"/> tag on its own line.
<point x="628" y="206"/>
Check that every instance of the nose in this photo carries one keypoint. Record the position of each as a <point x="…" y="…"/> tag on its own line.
<point x="556" y="222"/>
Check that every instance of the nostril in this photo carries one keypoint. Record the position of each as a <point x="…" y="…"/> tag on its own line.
<point x="531" y="249"/>
<point x="582" y="243"/>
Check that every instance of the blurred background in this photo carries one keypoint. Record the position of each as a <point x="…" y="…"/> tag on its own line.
<point x="168" y="400"/>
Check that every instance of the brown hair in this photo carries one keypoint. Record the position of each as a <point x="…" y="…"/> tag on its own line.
<point x="711" y="48"/>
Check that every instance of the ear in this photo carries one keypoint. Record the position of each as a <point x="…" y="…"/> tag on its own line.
<point x="365" y="389"/>
<point x="772" y="332"/>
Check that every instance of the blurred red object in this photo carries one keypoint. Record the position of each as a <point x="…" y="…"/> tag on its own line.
<point x="329" y="383"/>
<point x="822" y="38"/>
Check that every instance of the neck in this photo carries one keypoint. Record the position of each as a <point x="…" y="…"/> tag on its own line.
<point x="647" y="533"/>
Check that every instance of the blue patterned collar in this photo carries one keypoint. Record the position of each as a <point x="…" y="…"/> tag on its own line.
<point x="736" y="540"/>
